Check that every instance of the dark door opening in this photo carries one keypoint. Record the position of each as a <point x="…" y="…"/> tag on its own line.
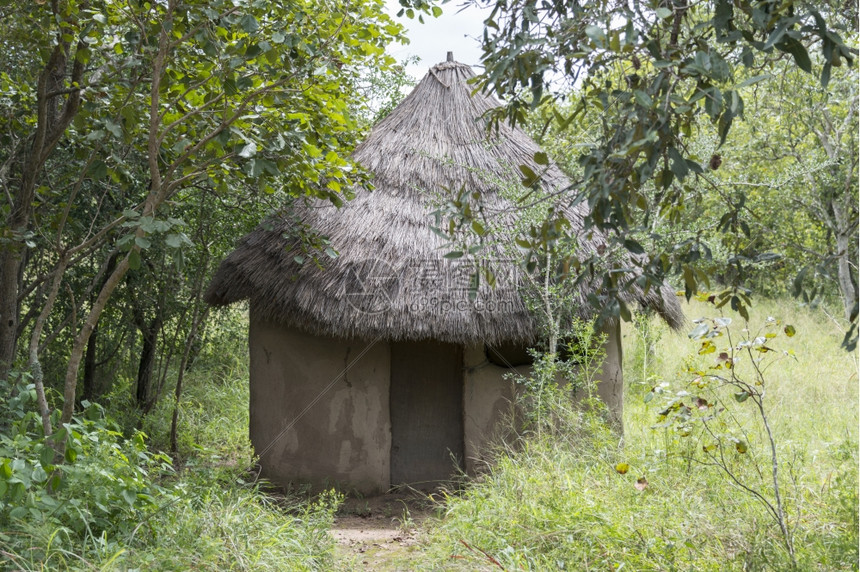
<point x="426" y="402"/>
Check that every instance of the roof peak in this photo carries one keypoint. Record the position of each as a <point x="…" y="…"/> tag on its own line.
<point x="448" y="64"/>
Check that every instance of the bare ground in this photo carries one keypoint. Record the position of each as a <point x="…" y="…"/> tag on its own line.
<point x="377" y="534"/>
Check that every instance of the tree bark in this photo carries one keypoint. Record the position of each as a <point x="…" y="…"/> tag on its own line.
<point x="34" y="364"/>
<point x="51" y="124"/>
<point x="149" y="333"/>
<point x="90" y="365"/>
<point x="83" y="337"/>
<point x="846" y="274"/>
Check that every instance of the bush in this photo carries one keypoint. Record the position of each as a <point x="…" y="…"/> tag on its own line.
<point x="114" y="504"/>
<point x="580" y="497"/>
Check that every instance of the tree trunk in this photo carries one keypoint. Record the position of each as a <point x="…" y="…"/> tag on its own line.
<point x="90" y="366"/>
<point x="847" y="274"/>
<point x="83" y="337"/>
<point x="149" y="333"/>
<point x="34" y="364"/>
<point x="51" y="124"/>
<point x="10" y="260"/>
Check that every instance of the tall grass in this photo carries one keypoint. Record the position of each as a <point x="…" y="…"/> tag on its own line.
<point x="561" y="502"/>
<point x="204" y="514"/>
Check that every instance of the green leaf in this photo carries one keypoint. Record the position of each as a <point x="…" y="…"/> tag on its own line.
<point x="529" y="176"/>
<point x="622" y="468"/>
<point x="39" y="475"/>
<point x="454" y="254"/>
<point x="741" y="396"/>
<point x="798" y="52"/>
<point x="173" y="240"/>
<point x="755" y="79"/>
<point x="825" y="74"/>
<point x="678" y="164"/>
<point x="249" y="23"/>
<point x="541" y="158"/>
<point x="134" y="260"/>
<point x="665" y="178"/>
<point x="130" y="497"/>
<point x="741" y="447"/>
<point x="98" y="170"/>
<point x="699" y="331"/>
<point x="724" y="125"/>
<point x="642" y="98"/>
<point x="5" y="469"/>
<point x="596" y="33"/>
<point x="142" y="242"/>
<point x="663" y="13"/>
<point x="46" y="456"/>
<point x="633" y="246"/>
<point x="114" y="129"/>
<point x="790" y="331"/>
<point x="248" y="150"/>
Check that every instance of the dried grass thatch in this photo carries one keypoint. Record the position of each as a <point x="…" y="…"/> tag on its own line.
<point x="391" y="279"/>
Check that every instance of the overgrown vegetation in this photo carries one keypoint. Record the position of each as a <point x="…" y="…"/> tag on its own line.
<point x="556" y="499"/>
<point x="585" y="498"/>
<point x="115" y="504"/>
<point x="138" y="141"/>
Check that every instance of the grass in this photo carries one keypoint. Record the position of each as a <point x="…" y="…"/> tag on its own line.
<point x="552" y="503"/>
<point x="206" y="514"/>
<point x="558" y="503"/>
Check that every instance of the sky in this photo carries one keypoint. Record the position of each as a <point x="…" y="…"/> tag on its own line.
<point x="458" y="30"/>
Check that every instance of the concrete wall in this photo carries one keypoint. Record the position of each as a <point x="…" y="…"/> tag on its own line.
<point x="340" y="431"/>
<point x="487" y="399"/>
<point x="611" y="385"/>
<point x="312" y="422"/>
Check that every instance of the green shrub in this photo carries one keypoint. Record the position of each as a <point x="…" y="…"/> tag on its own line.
<point x="582" y="497"/>
<point x="113" y="504"/>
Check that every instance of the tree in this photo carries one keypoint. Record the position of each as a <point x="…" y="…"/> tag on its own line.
<point x="174" y="99"/>
<point x="790" y="182"/>
<point x="796" y="157"/>
<point x="650" y="71"/>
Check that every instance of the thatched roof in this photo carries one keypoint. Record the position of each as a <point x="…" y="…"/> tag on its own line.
<point x="391" y="279"/>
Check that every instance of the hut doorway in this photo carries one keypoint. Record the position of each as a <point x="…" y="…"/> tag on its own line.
<point x="426" y="401"/>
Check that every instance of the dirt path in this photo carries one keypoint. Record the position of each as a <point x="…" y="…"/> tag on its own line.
<point x="377" y="534"/>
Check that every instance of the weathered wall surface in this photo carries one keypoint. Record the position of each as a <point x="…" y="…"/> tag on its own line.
<point x="487" y="400"/>
<point x="488" y="397"/>
<point x="610" y="381"/>
<point x="339" y="423"/>
<point x="340" y="434"/>
<point x="611" y="385"/>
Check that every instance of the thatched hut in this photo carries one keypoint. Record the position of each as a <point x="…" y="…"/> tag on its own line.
<point x="377" y="368"/>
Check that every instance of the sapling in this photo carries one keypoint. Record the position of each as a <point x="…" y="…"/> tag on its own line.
<point x="729" y="375"/>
